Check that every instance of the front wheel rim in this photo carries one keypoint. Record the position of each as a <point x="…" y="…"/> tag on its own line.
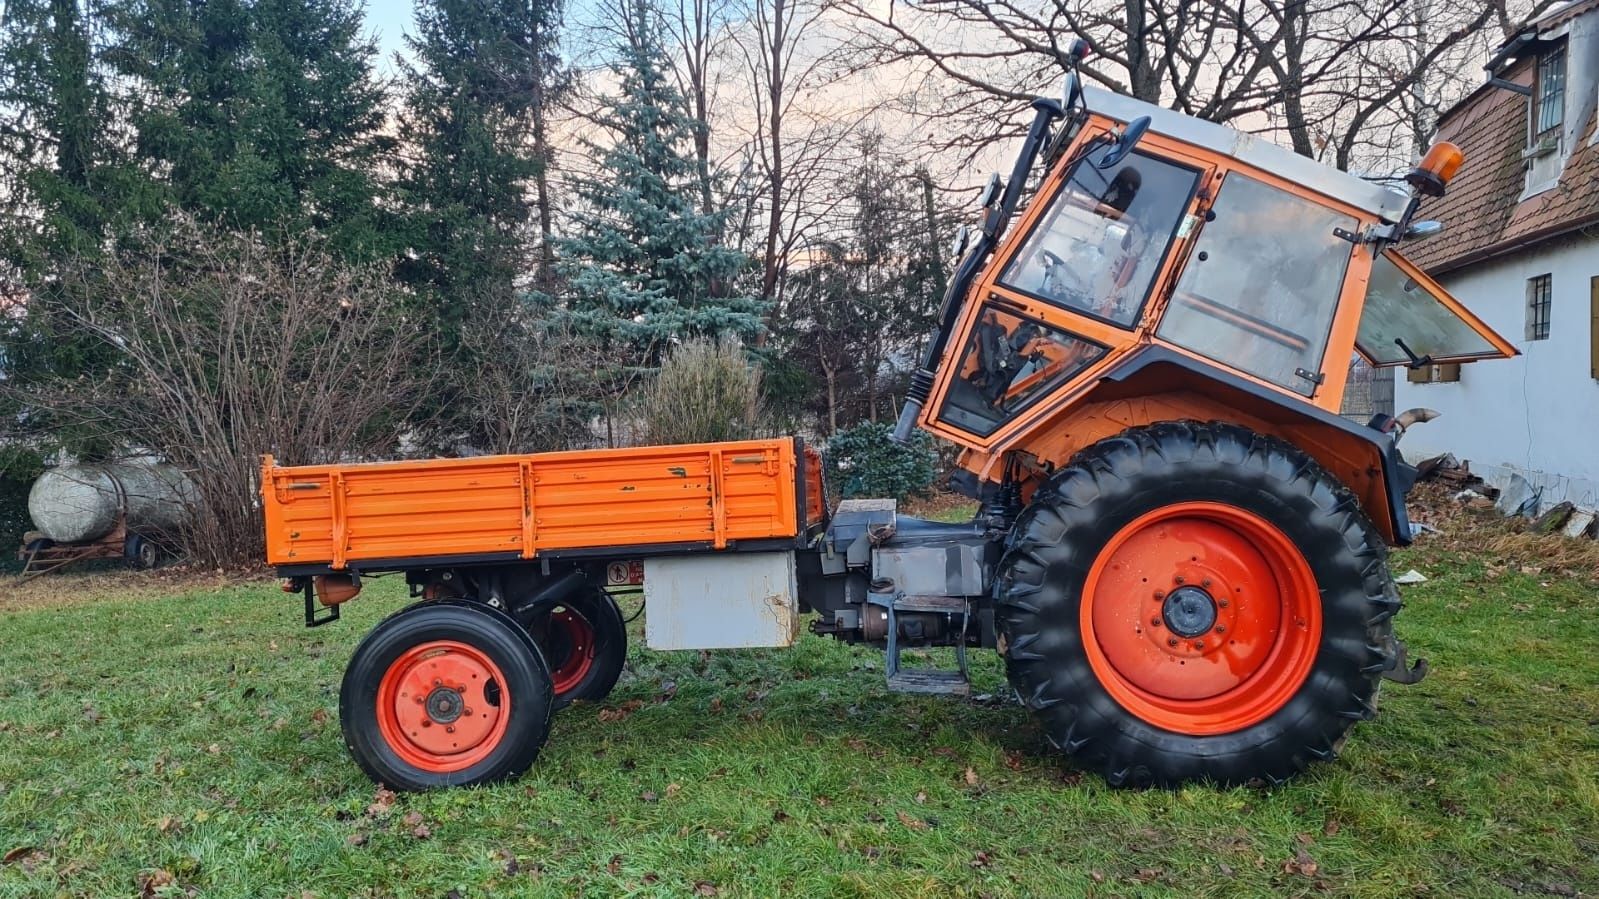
<point x="1201" y="618"/>
<point x="443" y="706"/>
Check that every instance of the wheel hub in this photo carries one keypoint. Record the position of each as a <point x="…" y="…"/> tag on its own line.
<point x="1189" y="611"/>
<point x="444" y="705"/>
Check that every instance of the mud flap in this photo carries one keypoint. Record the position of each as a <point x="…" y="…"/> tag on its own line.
<point x="1400" y="671"/>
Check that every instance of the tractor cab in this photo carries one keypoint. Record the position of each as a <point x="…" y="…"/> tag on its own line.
<point x="1224" y="275"/>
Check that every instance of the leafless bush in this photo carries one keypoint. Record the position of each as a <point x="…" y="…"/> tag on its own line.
<point x="221" y="347"/>
<point x="523" y="382"/>
<point x="706" y="391"/>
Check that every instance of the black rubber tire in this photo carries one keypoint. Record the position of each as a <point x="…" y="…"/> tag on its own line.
<point x="141" y="554"/>
<point x="609" y="649"/>
<point x="1049" y="553"/>
<point x="489" y="631"/>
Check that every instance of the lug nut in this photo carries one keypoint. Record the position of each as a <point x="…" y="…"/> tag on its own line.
<point x="1205" y="582"/>
<point x="450" y="729"/>
<point x="1154" y="622"/>
<point x="1180" y="579"/>
<point x="1221" y="628"/>
<point x="1172" y="642"/>
<point x="1199" y="644"/>
<point x="1160" y="594"/>
<point x="1222" y="603"/>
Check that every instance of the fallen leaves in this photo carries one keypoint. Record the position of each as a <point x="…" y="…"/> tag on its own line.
<point x="382" y="803"/>
<point x="704" y="888"/>
<point x="621" y="712"/>
<point x="1301" y="864"/>
<point x="152" y="882"/>
<point x="25" y="857"/>
<point x="911" y="822"/>
<point x="971" y="777"/>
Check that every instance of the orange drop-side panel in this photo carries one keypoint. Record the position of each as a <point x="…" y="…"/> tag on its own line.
<point x="527" y="504"/>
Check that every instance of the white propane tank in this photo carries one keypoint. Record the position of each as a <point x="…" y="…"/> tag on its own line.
<point x="76" y="503"/>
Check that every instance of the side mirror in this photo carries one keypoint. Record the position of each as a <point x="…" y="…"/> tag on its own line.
<point x="963" y="236"/>
<point x="1131" y="135"/>
<point x="1071" y="90"/>
<point x="1422" y="230"/>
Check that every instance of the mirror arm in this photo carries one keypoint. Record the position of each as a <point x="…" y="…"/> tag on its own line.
<point x="1045" y="113"/>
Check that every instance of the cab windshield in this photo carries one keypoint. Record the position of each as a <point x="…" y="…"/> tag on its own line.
<point x="1100" y="245"/>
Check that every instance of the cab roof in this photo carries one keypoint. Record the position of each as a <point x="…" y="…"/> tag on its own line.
<point x="1386" y="203"/>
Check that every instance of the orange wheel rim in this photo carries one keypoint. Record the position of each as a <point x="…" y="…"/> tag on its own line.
<point x="1201" y="618"/>
<point x="579" y="637"/>
<point x="443" y="706"/>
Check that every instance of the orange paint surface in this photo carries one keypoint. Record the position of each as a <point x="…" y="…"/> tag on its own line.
<point x="714" y="493"/>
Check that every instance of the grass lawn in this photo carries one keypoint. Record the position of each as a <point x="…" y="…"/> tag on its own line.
<point x="183" y="740"/>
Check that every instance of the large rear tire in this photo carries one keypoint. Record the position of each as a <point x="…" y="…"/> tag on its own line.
<point x="445" y="693"/>
<point x="1192" y="601"/>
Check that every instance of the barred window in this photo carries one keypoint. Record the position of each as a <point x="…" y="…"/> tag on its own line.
<point x="1539" y="293"/>
<point x="1551" y="90"/>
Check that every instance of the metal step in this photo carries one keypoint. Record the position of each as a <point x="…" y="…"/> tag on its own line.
<point x="930" y="680"/>
<point x="954" y="605"/>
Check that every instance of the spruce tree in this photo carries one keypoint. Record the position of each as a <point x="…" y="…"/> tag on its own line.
<point x="63" y="166"/>
<point x="262" y="115"/>
<point x="484" y="78"/>
<point x="644" y="263"/>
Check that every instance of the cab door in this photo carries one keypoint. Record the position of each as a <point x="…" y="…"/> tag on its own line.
<point x="1069" y="289"/>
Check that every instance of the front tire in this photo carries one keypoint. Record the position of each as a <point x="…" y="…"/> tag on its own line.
<point x="1193" y="601"/>
<point x="445" y="693"/>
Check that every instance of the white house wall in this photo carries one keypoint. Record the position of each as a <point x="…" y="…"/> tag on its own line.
<point x="1536" y="415"/>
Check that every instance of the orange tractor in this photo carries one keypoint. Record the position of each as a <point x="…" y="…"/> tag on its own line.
<point x="1181" y="548"/>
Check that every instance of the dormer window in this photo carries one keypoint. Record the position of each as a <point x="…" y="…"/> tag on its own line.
<point x="1546" y="114"/>
<point x="1549" y="111"/>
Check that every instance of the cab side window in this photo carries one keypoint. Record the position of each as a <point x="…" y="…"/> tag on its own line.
<point x="1261" y="286"/>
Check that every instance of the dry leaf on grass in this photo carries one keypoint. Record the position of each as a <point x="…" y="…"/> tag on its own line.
<point x="151" y="883"/>
<point x="1301" y="864"/>
<point x="912" y="823"/>
<point x="620" y="713"/>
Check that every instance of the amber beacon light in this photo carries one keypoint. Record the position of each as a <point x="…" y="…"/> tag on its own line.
<point x="1433" y="173"/>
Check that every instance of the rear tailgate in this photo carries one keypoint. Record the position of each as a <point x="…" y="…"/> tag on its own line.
<point x="704" y="495"/>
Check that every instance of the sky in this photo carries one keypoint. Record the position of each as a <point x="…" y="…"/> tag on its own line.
<point x="388" y="20"/>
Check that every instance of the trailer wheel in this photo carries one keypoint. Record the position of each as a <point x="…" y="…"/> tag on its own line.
<point x="141" y="553"/>
<point x="445" y="693"/>
<point x="1193" y="601"/>
<point x="585" y="642"/>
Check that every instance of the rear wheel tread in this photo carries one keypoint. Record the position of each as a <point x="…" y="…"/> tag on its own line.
<point x="1141" y="465"/>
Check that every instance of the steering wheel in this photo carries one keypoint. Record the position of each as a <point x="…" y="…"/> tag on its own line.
<point x="1054" y="285"/>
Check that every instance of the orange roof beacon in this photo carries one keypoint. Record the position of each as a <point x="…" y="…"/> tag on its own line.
<point x="1181" y="548"/>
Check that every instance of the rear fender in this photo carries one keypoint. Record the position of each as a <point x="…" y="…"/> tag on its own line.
<point x="1156" y="384"/>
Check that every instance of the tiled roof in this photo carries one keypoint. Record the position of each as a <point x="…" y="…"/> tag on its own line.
<point x="1480" y="213"/>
